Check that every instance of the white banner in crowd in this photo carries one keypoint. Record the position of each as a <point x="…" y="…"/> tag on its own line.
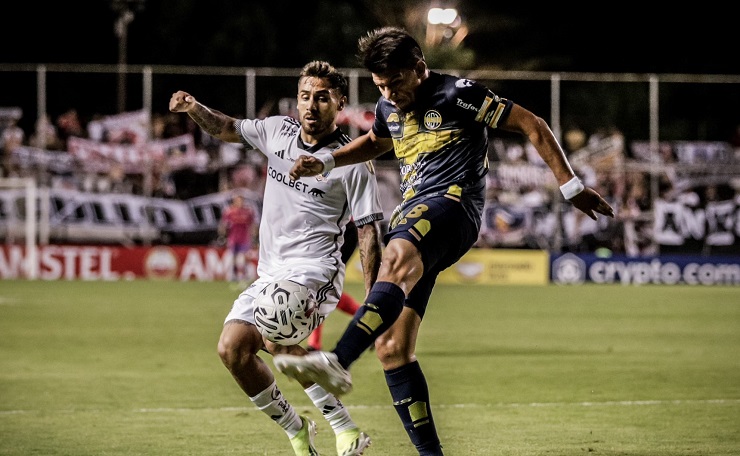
<point x="95" y="156"/>
<point x="125" y="128"/>
<point x="686" y="152"/>
<point x="717" y="224"/>
<point x="54" y="161"/>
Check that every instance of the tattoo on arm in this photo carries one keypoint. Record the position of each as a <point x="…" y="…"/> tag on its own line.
<point x="370" y="252"/>
<point x="210" y="120"/>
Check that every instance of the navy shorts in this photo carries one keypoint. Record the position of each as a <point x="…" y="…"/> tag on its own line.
<point x="443" y="231"/>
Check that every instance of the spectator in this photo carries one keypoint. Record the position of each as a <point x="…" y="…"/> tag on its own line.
<point x="45" y="135"/>
<point x="68" y="125"/>
<point x="574" y="139"/>
<point x="159" y="126"/>
<point x="11" y="138"/>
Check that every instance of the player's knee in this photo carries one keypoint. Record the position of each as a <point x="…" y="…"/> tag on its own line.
<point x="225" y="356"/>
<point x="227" y="350"/>
<point x="235" y="350"/>
<point x="392" y="352"/>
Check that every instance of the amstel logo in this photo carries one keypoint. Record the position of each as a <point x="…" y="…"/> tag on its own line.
<point x="161" y="263"/>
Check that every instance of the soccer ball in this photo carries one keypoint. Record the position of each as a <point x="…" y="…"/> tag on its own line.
<point x="286" y="312"/>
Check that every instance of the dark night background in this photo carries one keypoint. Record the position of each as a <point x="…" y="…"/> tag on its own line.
<point x="616" y="37"/>
<point x="613" y="38"/>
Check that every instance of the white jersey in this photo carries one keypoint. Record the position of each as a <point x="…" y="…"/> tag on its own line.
<point x="302" y="226"/>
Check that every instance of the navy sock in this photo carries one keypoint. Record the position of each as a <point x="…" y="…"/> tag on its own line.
<point x="381" y="309"/>
<point x="410" y="395"/>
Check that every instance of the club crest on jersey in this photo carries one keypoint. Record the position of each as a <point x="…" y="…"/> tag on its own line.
<point x="432" y="119"/>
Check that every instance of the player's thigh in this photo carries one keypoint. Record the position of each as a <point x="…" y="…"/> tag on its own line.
<point x="243" y="306"/>
<point x="440" y="228"/>
<point x="401" y="264"/>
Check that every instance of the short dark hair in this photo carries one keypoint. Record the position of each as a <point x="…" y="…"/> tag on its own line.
<point x="324" y="70"/>
<point x="388" y="48"/>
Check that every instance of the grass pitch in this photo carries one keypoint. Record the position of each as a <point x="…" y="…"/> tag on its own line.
<point x="130" y="368"/>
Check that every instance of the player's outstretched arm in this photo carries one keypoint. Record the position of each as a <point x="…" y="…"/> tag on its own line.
<point x="213" y="122"/>
<point x="539" y="134"/>
<point x="361" y="149"/>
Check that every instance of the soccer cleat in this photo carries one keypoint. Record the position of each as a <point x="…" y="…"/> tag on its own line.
<point x="303" y="441"/>
<point x="352" y="442"/>
<point x="316" y="367"/>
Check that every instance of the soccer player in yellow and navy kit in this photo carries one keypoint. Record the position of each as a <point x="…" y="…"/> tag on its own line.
<point x="437" y="125"/>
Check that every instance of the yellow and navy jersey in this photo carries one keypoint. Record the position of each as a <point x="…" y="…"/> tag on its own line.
<point x="442" y="144"/>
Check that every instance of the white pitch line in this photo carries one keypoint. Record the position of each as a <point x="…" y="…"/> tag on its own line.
<point x="436" y="406"/>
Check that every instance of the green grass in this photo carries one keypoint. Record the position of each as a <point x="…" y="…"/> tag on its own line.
<point x="130" y="368"/>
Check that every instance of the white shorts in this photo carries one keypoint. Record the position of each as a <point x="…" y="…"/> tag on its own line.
<point x="326" y="293"/>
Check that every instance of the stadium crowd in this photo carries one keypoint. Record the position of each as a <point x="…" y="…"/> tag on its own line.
<point x="157" y="155"/>
<point x="165" y="155"/>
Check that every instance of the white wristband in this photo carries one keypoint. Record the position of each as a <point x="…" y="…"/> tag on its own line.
<point x="327" y="159"/>
<point x="571" y="188"/>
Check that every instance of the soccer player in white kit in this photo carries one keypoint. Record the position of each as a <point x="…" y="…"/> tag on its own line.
<point x="300" y="235"/>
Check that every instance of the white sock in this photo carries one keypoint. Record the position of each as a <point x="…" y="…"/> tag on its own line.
<point x="273" y="404"/>
<point x="332" y="409"/>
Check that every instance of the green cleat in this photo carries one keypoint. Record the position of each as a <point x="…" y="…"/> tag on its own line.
<point x="303" y="441"/>
<point x="352" y="442"/>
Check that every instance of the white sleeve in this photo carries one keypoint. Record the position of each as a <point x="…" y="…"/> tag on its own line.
<point x="363" y="193"/>
<point x="257" y="132"/>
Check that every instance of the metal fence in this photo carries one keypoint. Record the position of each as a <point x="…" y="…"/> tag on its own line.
<point x="645" y="106"/>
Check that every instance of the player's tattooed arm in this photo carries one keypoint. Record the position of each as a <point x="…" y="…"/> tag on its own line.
<point x="370" y="252"/>
<point x="213" y="122"/>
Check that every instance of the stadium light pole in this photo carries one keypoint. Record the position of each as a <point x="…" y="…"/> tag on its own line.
<point x="125" y="17"/>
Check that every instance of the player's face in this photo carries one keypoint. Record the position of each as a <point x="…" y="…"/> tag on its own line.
<point x="398" y="87"/>
<point x="318" y="106"/>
